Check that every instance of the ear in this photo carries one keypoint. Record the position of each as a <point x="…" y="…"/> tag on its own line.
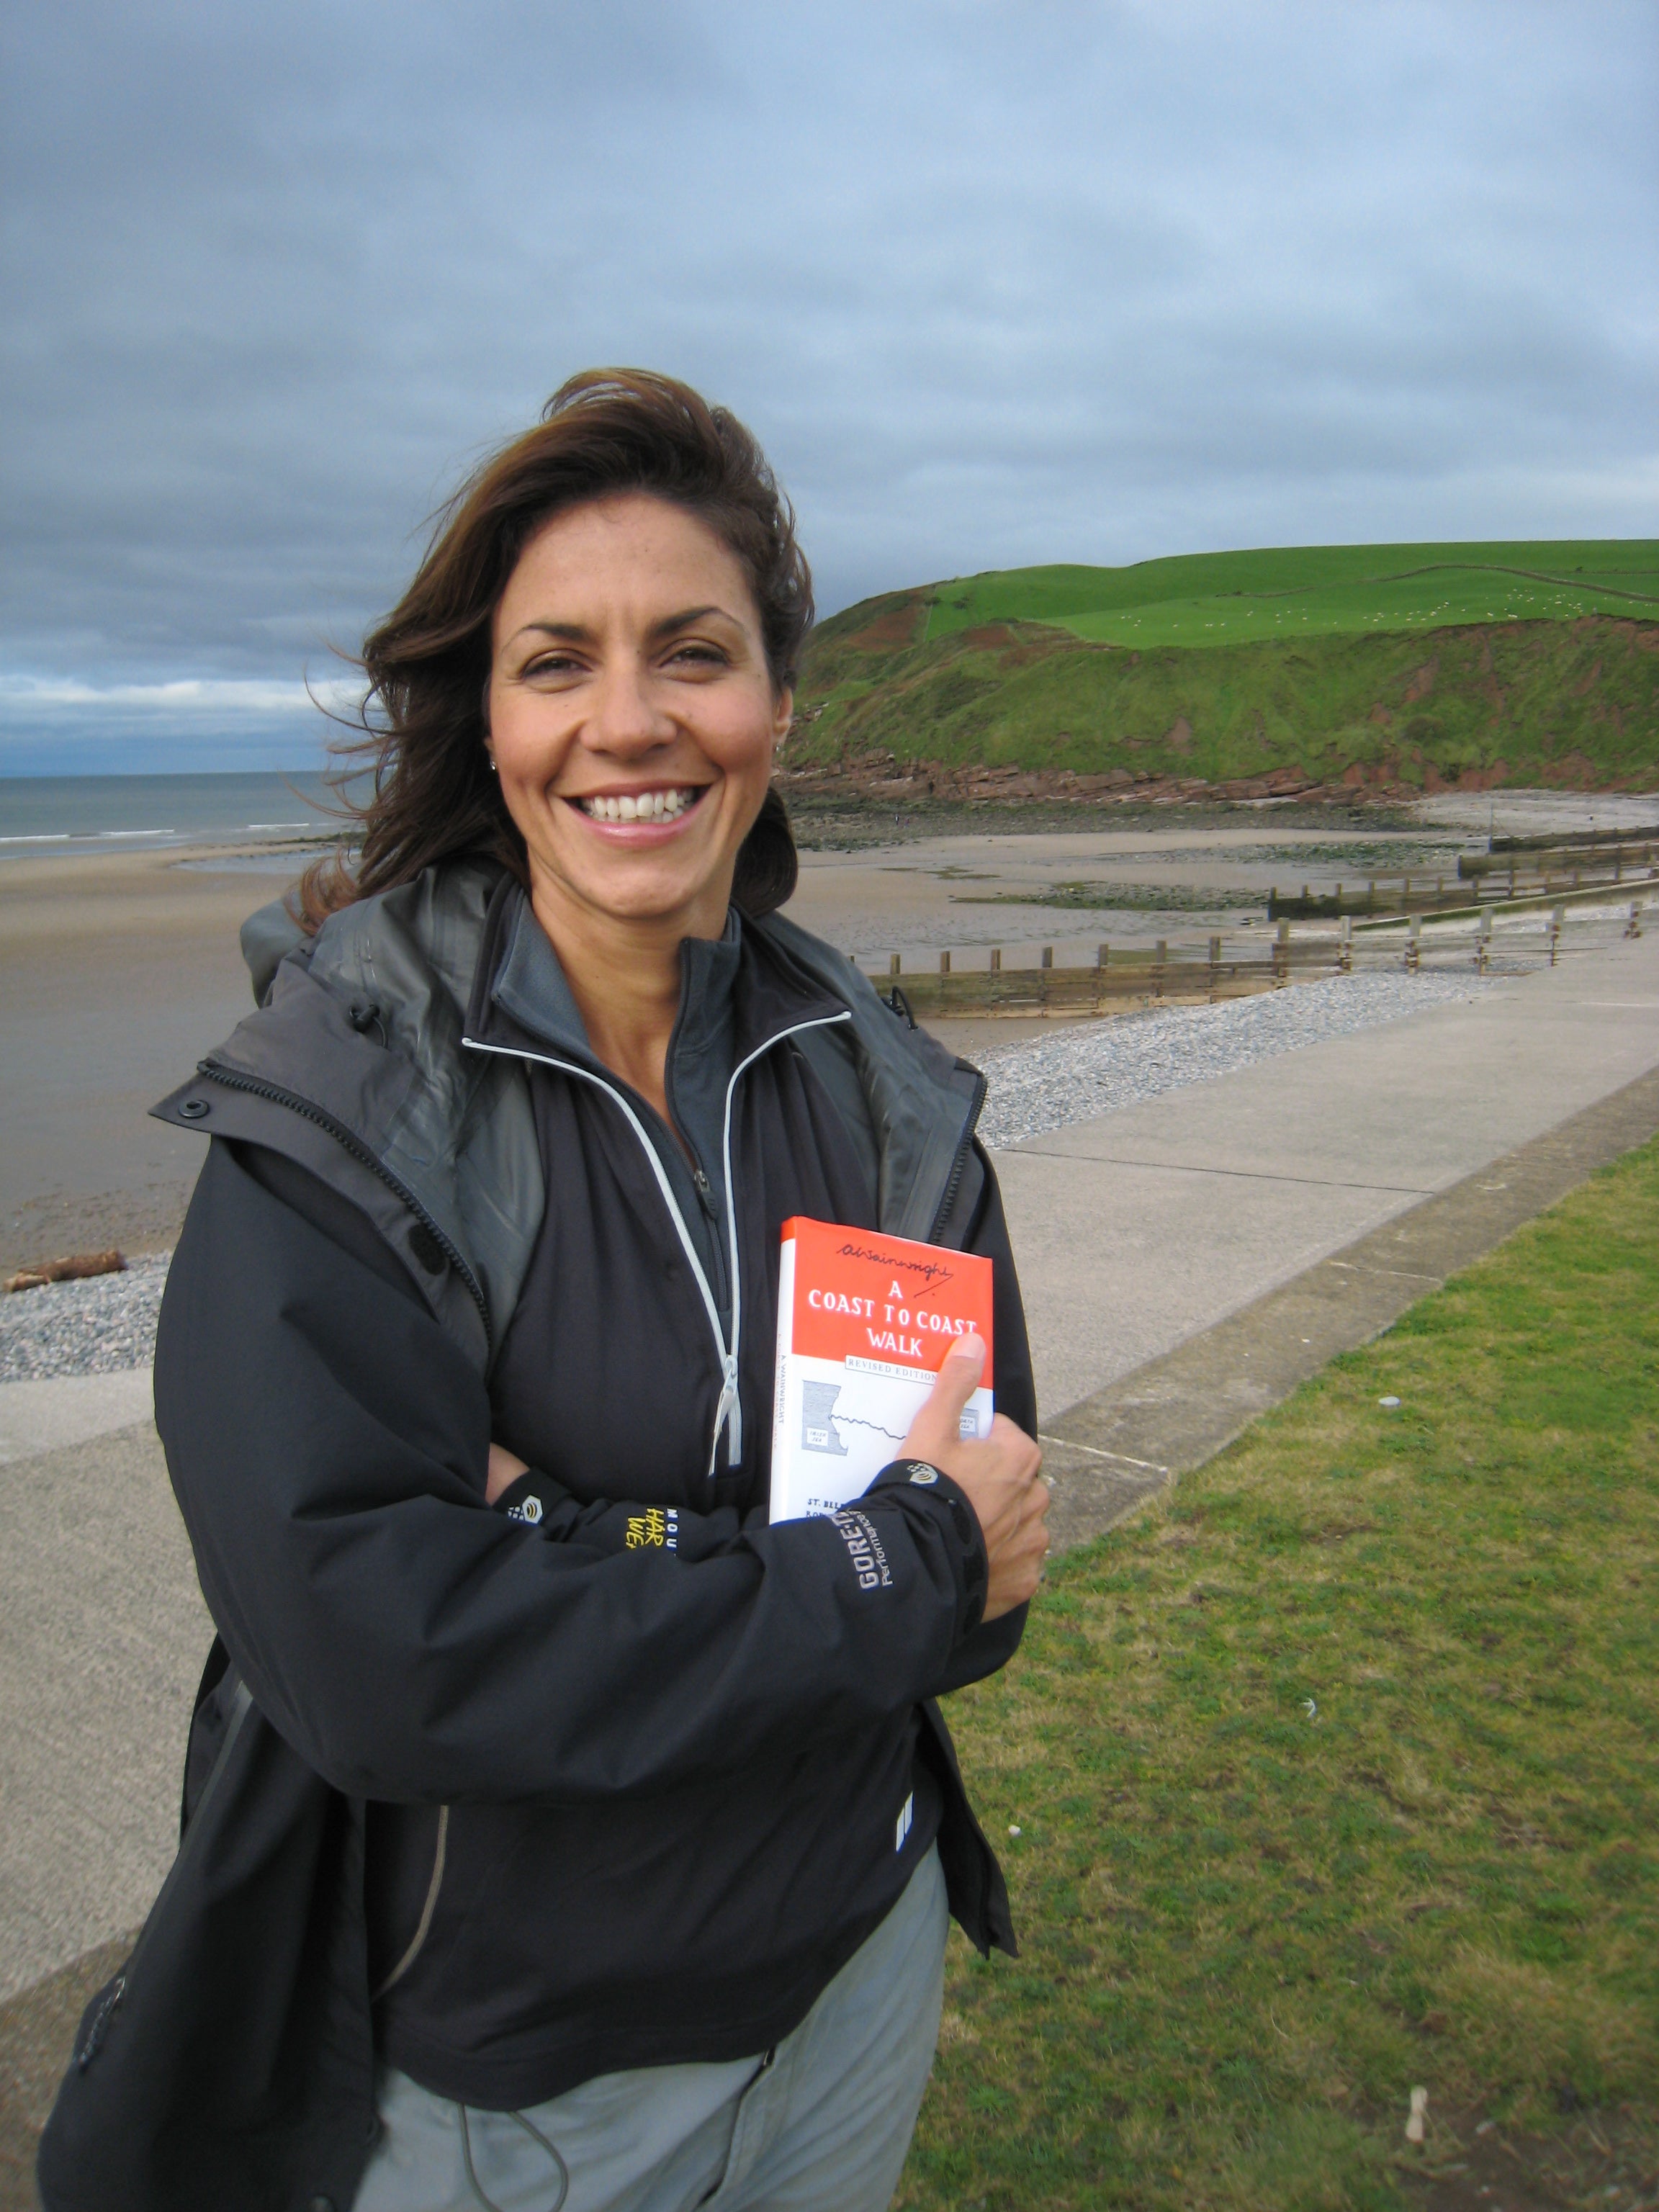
<point x="783" y="712"/>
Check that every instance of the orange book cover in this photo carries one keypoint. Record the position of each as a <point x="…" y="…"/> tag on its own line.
<point x="864" y="1323"/>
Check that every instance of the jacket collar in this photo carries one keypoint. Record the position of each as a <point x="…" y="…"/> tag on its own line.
<point x="361" y="1030"/>
<point x="739" y="992"/>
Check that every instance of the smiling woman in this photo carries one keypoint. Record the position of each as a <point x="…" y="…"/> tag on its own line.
<point x="615" y="440"/>
<point x="561" y="1829"/>
<point x="633" y="719"/>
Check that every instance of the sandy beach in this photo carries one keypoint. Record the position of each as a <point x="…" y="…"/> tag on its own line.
<point x="117" y="970"/>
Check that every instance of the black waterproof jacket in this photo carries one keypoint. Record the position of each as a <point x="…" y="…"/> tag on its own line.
<point x="327" y="1408"/>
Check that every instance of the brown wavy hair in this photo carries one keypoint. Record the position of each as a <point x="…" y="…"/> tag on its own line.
<point x="420" y="729"/>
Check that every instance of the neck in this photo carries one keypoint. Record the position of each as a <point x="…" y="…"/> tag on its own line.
<point x="624" y="974"/>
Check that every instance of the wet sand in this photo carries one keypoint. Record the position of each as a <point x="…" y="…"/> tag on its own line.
<point x="117" y="971"/>
<point x="115" y="975"/>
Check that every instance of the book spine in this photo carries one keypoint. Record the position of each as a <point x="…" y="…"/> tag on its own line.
<point x="781" y="1381"/>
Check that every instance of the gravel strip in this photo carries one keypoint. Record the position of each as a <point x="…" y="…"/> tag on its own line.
<point x="97" y="1326"/>
<point x="1097" y="1068"/>
<point x="108" y="1322"/>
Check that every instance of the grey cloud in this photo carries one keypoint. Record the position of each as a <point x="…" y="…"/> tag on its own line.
<point x="994" y="284"/>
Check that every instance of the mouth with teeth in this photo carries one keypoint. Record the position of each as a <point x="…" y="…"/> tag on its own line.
<point x="647" y="807"/>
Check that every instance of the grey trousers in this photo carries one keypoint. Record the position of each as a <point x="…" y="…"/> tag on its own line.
<point x="821" y="2125"/>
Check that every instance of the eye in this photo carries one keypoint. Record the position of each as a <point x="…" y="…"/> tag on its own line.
<point x="697" y="653"/>
<point x="559" y="662"/>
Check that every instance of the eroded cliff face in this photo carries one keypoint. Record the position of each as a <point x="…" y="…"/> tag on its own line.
<point x="1021" y="710"/>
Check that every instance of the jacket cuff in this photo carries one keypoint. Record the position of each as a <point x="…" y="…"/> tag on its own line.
<point x="921" y="1479"/>
<point x="532" y="1498"/>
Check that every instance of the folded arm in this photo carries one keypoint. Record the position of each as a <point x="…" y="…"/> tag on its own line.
<point x="328" y="1445"/>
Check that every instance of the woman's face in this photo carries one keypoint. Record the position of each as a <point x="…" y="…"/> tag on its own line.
<point x="632" y="717"/>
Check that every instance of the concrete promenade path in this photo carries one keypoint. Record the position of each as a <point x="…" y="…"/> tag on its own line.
<point x="1137" y="1231"/>
<point x="1175" y="1240"/>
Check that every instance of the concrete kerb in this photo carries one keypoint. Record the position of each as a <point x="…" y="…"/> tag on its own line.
<point x="1112" y="1451"/>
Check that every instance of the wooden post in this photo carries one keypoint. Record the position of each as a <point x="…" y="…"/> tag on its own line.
<point x="1413" y="944"/>
<point x="1371" y="895"/>
<point x="1558" y="918"/>
<point x="893" y="965"/>
<point x="1215" y="967"/>
<point x="1160" y="960"/>
<point x="1103" y="955"/>
<point x="1483" y="942"/>
<point x="1345" y="957"/>
<point x="1048" y="960"/>
<point x="1282" y="952"/>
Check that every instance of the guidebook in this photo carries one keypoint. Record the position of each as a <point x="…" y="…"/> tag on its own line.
<point x="864" y="1323"/>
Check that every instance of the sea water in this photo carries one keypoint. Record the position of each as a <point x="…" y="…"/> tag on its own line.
<point x="45" y="814"/>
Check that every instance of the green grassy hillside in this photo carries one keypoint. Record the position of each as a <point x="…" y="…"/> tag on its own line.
<point x="1398" y="667"/>
<point x="1228" y="598"/>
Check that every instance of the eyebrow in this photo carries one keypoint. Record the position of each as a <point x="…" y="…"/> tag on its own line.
<point x="579" y="632"/>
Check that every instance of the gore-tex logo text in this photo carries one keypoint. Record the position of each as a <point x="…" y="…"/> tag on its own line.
<point x="864" y="1549"/>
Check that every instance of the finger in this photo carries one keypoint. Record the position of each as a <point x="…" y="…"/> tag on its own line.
<point x="1026" y="1452"/>
<point x="958" y="1380"/>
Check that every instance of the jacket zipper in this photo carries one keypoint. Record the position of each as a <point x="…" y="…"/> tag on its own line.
<point x="423" y="1926"/>
<point x="734" y="1438"/>
<point x="242" y="1704"/>
<point x="980" y="1086"/>
<point x="359" y="1150"/>
<point x="728" y="1413"/>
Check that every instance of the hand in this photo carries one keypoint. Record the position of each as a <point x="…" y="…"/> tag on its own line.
<point x="504" y="1471"/>
<point x="1000" y="1477"/>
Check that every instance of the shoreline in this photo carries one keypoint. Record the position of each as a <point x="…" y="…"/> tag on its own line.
<point x="118" y="969"/>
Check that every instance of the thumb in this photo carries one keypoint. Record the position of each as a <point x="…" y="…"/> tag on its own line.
<point x="938" y="1424"/>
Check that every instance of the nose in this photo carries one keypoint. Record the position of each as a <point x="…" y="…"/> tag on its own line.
<point x="626" y="719"/>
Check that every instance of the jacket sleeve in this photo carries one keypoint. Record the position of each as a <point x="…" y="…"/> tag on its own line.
<point x="980" y="1226"/>
<point x="328" y="1446"/>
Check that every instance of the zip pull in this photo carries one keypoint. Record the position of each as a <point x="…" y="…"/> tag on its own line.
<point x="728" y="1415"/>
<point x="705" y="1191"/>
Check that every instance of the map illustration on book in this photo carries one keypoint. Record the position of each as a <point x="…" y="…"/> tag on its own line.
<point x="864" y="1322"/>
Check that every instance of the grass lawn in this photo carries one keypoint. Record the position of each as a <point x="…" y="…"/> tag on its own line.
<point x="1338" y="1776"/>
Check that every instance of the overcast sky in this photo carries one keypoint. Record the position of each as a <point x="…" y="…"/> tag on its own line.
<point x="995" y="283"/>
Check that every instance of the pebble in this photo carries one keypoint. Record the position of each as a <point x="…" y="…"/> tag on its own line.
<point x="1090" y="1068"/>
<point x="108" y="1322"/>
<point x="97" y="1326"/>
